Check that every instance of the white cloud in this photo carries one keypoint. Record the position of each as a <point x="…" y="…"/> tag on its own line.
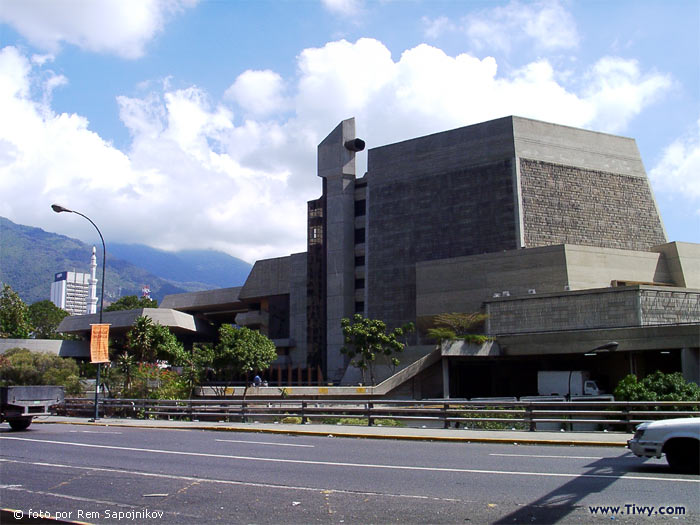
<point x="547" y="24"/>
<point x="344" y="7"/>
<point x="618" y="91"/>
<point x="434" y="28"/>
<point x="107" y="26"/>
<point x="195" y="176"/>
<point x="678" y="172"/>
<point x="258" y="92"/>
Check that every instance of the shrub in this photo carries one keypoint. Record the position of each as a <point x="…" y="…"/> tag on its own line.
<point x="657" y="386"/>
<point x="20" y="366"/>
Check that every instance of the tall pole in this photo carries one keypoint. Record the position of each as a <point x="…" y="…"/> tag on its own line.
<point x="59" y="209"/>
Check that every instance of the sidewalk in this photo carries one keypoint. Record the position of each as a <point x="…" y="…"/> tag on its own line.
<point x="607" y="439"/>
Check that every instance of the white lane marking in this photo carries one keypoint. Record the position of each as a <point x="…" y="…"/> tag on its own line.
<point x="263" y="443"/>
<point x="223" y="481"/>
<point x="355" y="465"/>
<point x="91" y="432"/>
<point x="543" y="456"/>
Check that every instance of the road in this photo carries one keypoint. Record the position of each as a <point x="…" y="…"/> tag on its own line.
<point x="136" y="475"/>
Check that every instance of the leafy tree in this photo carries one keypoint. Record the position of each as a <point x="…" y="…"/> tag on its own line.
<point x="453" y="326"/>
<point x="657" y="386"/>
<point x="242" y="351"/>
<point x="45" y="317"/>
<point x="14" y="315"/>
<point x="368" y="338"/>
<point x="19" y="366"/>
<point x="131" y="302"/>
<point x="195" y="365"/>
<point x="149" y="342"/>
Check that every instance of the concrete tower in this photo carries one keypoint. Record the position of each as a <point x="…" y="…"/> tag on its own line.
<point x="336" y="165"/>
<point x="92" y="297"/>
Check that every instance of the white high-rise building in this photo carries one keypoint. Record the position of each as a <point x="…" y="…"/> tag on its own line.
<point x="75" y="292"/>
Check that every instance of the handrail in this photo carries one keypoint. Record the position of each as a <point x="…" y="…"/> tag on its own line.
<point x="526" y="415"/>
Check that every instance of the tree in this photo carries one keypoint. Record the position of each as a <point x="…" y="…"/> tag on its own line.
<point x="196" y="364"/>
<point x="453" y="326"/>
<point x="19" y="366"/>
<point x="131" y="302"/>
<point x="149" y="342"/>
<point x="45" y="317"/>
<point x="368" y="338"/>
<point x="657" y="386"/>
<point x="14" y="315"/>
<point x="242" y="351"/>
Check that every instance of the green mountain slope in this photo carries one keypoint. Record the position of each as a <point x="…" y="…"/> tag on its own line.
<point x="215" y="269"/>
<point x="30" y="257"/>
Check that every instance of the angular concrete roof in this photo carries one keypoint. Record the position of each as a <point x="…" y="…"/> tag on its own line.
<point x="122" y="321"/>
<point x="268" y="277"/>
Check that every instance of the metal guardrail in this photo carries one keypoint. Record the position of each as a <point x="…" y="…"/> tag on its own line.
<point x="524" y="415"/>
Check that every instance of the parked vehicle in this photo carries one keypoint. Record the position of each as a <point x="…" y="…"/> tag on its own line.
<point x="566" y="383"/>
<point x="19" y="404"/>
<point x="678" y="438"/>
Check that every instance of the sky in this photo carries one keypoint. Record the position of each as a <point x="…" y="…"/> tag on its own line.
<point x="185" y="124"/>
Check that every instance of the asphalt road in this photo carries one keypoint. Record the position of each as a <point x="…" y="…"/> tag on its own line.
<point x="134" y="475"/>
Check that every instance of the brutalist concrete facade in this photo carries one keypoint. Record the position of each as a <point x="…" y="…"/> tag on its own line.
<point x="552" y="230"/>
<point x="447" y="222"/>
<point x="503" y="185"/>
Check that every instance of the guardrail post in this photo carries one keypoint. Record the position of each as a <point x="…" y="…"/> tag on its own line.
<point x="445" y="422"/>
<point x="243" y="411"/>
<point x="303" y="410"/>
<point x="528" y="418"/>
<point x="626" y="417"/>
<point x="370" y="406"/>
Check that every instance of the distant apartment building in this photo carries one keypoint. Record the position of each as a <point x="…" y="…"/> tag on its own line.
<point x="75" y="292"/>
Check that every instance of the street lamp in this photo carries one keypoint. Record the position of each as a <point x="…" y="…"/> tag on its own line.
<point x="60" y="209"/>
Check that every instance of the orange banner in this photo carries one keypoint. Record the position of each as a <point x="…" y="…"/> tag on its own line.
<point x="99" y="343"/>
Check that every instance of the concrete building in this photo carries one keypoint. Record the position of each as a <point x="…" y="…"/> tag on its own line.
<point x="552" y="231"/>
<point x="76" y="292"/>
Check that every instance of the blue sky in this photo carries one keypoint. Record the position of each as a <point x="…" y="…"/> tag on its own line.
<point x="194" y="124"/>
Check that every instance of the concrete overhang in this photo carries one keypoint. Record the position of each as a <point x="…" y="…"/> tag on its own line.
<point x="581" y="341"/>
<point x="121" y="321"/>
<point x="219" y="300"/>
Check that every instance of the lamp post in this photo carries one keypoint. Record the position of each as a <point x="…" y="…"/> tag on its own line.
<point x="60" y="209"/>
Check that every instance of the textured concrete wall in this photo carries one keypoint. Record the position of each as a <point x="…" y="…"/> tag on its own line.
<point x="297" y="308"/>
<point x="440" y="215"/>
<point x="566" y="204"/>
<point x="659" y="306"/>
<point x="593" y="267"/>
<point x="564" y="145"/>
<point x="631" y="306"/>
<point x="268" y="277"/>
<point x="683" y="262"/>
<point x="462" y="284"/>
<point x="337" y="165"/>
<point x="50" y="346"/>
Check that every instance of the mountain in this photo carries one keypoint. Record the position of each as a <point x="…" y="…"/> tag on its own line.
<point x="30" y="257"/>
<point x="212" y="268"/>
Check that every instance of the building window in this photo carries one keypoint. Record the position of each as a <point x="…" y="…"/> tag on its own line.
<point x="359" y="307"/>
<point x="360" y="208"/>
<point x="359" y="260"/>
<point x="359" y="284"/>
<point x="359" y="235"/>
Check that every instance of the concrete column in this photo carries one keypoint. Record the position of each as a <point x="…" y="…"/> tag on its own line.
<point x="336" y="163"/>
<point x="445" y="378"/>
<point x="690" y="364"/>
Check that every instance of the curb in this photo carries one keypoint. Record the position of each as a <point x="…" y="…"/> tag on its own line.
<point x="357" y="435"/>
